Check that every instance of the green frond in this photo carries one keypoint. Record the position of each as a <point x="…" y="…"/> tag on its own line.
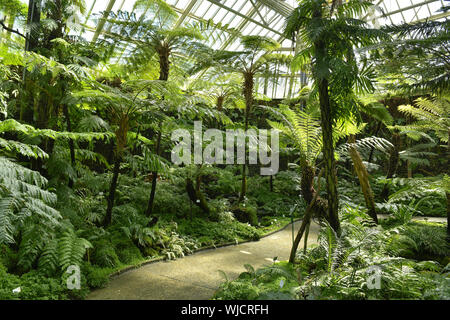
<point x="368" y="143"/>
<point x="22" y="195"/>
<point x="71" y="249"/>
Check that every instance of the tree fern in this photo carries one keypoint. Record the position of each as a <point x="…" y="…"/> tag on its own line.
<point x="302" y="128"/>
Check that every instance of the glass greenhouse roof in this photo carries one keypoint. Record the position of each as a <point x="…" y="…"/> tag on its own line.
<point x="266" y="17"/>
<point x="259" y="17"/>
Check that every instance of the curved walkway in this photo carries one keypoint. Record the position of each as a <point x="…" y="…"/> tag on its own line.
<point x="197" y="277"/>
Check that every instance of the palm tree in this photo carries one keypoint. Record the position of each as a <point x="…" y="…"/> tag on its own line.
<point x="330" y="33"/>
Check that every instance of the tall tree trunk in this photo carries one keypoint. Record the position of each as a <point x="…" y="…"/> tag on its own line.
<point x="328" y="155"/>
<point x="151" y="200"/>
<point x="315" y="206"/>
<point x="112" y="191"/>
<point x="448" y="193"/>
<point x="164" y="68"/>
<point x="196" y="195"/>
<point x="220" y="100"/>
<point x="326" y="118"/>
<point x="363" y="177"/>
<point x="305" y="222"/>
<point x="248" y="95"/>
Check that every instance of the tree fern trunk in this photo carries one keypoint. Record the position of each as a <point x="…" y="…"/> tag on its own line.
<point x="164" y="68"/>
<point x="363" y="177"/>
<point x="305" y="222"/>
<point x="151" y="200"/>
<point x="306" y="183"/>
<point x="328" y="155"/>
<point x="112" y="191"/>
<point x="164" y="63"/>
<point x="310" y="195"/>
<point x="196" y="195"/>
<point x="248" y="94"/>
<point x="326" y="118"/>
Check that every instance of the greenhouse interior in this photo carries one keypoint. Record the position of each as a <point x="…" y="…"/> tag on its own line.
<point x="224" y="150"/>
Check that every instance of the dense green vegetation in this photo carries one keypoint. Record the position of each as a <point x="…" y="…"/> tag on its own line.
<point x="86" y="177"/>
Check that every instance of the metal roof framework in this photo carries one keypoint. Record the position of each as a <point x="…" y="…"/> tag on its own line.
<point x="266" y="18"/>
<point x="257" y="17"/>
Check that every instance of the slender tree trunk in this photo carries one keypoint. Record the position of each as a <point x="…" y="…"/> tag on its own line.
<point x="196" y="195"/>
<point x="220" y="100"/>
<point x="71" y="144"/>
<point x="363" y="177"/>
<point x="328" y="155"/>
<point x="305" y="222"/>
<point x="164" y="68"/>
<point x="448" y="193"/>
<point x="310" y="195"/>
<point x="151" y="200"/>
<point x="305" y="244"/>
<point x="112" y="191"/>
<point x="248" y="94"/>
<point x="326" y="117"/>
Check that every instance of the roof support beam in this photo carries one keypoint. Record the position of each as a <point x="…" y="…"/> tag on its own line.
<point x="102" y="21"/>
<point x="435" y="17"/>
<point x="217" y="3"/>
<point x="259" y="13"/>
<point x="185" y="13"/>
<point x="278" y="6"/>
<point x="240" y="27"/>
<point x="405" y="8"/>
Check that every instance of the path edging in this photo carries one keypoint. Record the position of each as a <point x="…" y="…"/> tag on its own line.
<point x="211" y="247"/>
